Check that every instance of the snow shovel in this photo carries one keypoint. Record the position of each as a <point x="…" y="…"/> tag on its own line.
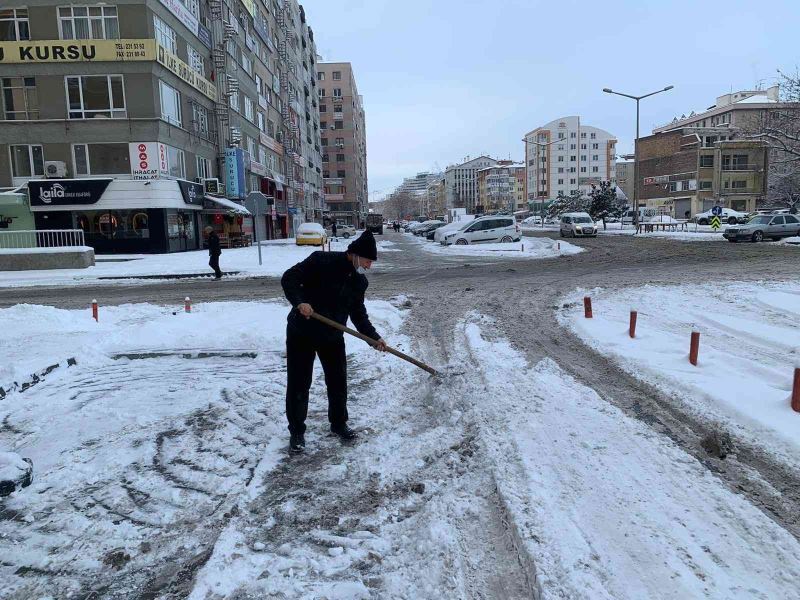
<point x="374" y="343"/>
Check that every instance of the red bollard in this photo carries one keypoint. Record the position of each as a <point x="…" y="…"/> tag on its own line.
<point x="632" y="327"/>
<point x="694" y="347"/>
<point x="187" y="305"/>
<point x="796" y="390"/>
<point x="94" y="310"/>
<point x="587" y="307"/>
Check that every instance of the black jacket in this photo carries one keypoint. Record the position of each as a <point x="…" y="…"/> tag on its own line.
<point x="330" y="284"/>
<point x="213" y="244"/>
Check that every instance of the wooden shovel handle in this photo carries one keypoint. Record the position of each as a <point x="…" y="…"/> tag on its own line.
<point x="374" y="343"/>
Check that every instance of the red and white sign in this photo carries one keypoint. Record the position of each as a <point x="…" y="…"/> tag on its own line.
<point x="148" y="160"/>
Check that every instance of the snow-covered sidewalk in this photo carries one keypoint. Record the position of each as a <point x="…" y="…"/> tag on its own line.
<point x="277" y="256"/>
<point x="527" y="248"/>
<point x="748" y="350"/>
<point x="607" y="508"/>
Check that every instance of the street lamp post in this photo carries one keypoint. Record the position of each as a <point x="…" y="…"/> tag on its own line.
<point x="538" y="145"/>
<point x="636" y="147"/>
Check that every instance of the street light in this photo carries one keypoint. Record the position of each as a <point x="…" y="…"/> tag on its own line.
<point x="541" y="145"/>
<point x="636" y="147"/>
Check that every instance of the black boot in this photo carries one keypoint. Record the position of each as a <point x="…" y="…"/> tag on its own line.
<point x="297" y="442"/>
<point x="343" y="431"/>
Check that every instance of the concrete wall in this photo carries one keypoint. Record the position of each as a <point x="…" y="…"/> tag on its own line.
<point x="32" y="261"/>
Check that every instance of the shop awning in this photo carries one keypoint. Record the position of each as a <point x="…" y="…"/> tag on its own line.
<point x="228" y="205"/>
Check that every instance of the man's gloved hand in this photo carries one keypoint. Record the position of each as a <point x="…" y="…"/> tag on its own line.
<point x="305" y="310"/>
<point x="381" y="345"/>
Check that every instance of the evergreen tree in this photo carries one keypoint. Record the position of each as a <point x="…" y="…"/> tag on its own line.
<point x="604" y="203"/>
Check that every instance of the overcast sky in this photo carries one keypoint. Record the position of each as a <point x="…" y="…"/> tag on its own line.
<point x="445" y="79"/>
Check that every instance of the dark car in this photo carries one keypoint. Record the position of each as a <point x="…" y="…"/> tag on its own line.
<point x="432" y="231"/>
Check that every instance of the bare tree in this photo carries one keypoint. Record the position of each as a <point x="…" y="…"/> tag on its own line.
<point x="401" y="205"/>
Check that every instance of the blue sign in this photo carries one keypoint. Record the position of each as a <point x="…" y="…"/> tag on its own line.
<point x="204" y="35"/>
<point x="234" y="172"/>
<point x="717" y="211"/>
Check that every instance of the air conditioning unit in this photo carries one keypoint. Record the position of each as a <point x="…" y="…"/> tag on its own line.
<point x="55" y="169"/>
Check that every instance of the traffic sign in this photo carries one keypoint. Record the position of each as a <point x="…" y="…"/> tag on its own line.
<point x="717" y="211"/>
<point x="715" y="222"/>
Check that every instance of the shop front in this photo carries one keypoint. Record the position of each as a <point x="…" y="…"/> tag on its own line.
<point x="122" y="215"/>
<point x="232" y="221"/>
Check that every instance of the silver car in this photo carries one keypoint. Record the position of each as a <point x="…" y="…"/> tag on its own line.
<point x="764" y="226"/>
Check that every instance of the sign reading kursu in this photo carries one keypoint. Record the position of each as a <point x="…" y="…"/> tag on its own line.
<point x="49" y="51"/>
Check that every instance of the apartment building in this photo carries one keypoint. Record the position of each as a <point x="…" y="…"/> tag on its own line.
<point x="134" y="121"/>
<point x="435" y="198"/>
<point x="344" y="143"/>
<point x="686" y="171"/>
<point x="502" y="187"/>
<point x="566" y="155"/>
<point x="625" y="177"/>
<point x="461" y="183"/>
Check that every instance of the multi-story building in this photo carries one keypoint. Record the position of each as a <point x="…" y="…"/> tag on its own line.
<point x="686" y="171"/>
<point x="625" y="177"/>
<point x="344" y="143"/>
<point x="125" y="110"/>
<point x="461" y="183"/>
<point x="435" y="198"/>
<point x="565" y="155"/>
<point x="502" y="187"/>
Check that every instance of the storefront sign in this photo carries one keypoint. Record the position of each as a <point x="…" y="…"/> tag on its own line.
<point x="211" y="186"/>
<point x="267" y="141"/>
<point x="657" y="179"/>
<point x="146" y="163"/>
<point x="204" y="35"/>
<point x="192" y="192"/>
<point x="163" y="162"/>
<point x="258" y="168"/>
<point x="49" y="51"/>
<point x="185" y="72"/>
<point x="61" y="192"/>
<point x="234" y="172"/>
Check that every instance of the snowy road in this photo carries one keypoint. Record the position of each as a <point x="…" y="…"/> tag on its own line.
<point x="546" y="467"/>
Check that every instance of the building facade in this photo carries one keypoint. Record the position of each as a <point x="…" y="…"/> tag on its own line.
<point x="683" y="172"/>
<point x="502" y="187"/>
<point x="170" y="103"/>
<point x="344" y="143"/>
<point x="566" y="155"/>
<point x="461" y="183"/>
<point x="625" y="177"/>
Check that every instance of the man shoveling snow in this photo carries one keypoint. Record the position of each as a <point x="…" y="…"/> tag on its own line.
<point x="331" y="284"/>
<point x="15" y="473"/>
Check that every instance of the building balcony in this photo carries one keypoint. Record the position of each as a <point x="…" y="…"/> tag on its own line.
<point x="334" y="197"/>
<point x="334" y="181"/>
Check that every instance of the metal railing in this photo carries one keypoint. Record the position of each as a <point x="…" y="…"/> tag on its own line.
<point x="46" y="238"/>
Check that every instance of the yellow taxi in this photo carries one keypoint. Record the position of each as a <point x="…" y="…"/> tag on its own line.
<point x="311" y="234"/>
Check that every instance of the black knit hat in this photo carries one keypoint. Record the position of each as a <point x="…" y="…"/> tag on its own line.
<point x="364" y="246"/>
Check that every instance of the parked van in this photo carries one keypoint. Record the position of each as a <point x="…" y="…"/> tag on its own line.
<point x="486" y="230"/>
<point x="578" y="224"/>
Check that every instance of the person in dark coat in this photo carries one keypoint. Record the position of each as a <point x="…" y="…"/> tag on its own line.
<point x="214" y="251"/>
<point x="331" y="284"/>
<point x="333" y="229"/>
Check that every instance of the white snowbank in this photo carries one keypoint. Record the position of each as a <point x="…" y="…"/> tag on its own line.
<point x="12" y="467"/>
<point x="748" y="350"/>
<point x="527" y="248"/>
<point x="607" y="508"/>
<point x="59" y="250"/>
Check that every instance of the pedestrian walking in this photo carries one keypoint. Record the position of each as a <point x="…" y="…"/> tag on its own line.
<point x="333" y="229"/>
<point x="214" y="251"/>
<point x="331" y="284"/>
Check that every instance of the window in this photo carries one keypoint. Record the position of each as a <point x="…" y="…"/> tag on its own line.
<point x="324" y="141"/>
<point x="338" y="124"/>
<point x="325" y="157"/>
<point x="593" y="136"/>
<point x="320" y="76"/>
<point x="176" y="163"/>
<point x="791" y="220"/>
<point x="14" y="25"/>
<point x="340" y="158"/>
<point x="739" y="184"/>
<point x="251" y="148"/>
<point x="196" y="61"/>
<point x="583" y="169"/>
<point x="560" y="169"/>
<point x="707" y="160"/>
<point x="337" y="108"/>
<point x="235" y="101"/>
<point x="572" y="158"/>
<point x="572" y="181"/>
<point x="101" y="159"/>
<point x="337" y="92"/>
<point x="572" y="134"/>
<point x="326" y="174"/>
<point x="249" y="112"/>
<point x="561" y="135"/>
<point x="583" y="157"/>
<point x="337" y="76"/>
<point x="200" y="119"/>
<point x="260" y="121"/>
<point x="595" y="169"/>
<point x="595" y="157"/>
<point x="93" y="96"/>
<point x="323" y="125"/>
<point x="734" y="162"/>
<point x="341" y="173"/>
<point x="19" y="98"/>
<point x="323" y="108"/>
<point x="170" y="104"/>
<point x="560" y="182"/>
<point x="203" y="168"/>
<point x="27" y="160"/>
<point x="88" y="22"/>
<point x="706" y="185"/>
<point x="340" y="142"/>
<point x="583" y="135"/>
<point x="595" y="146"/>
<point x="247" y="63"/>
<point x="673" y="186"/>
<point x="165" y="35"/>
<point x="572" y="146"/>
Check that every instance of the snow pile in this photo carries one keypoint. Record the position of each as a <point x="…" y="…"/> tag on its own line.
<point x="59" y="250"/>
<point x="792" y="241"/>
<point x="527" y="248"/>
<point x="662" y="219"/>
<point x="748" y="350"/>
<point x="606" y="507"/>
<point x="12" y="467"/>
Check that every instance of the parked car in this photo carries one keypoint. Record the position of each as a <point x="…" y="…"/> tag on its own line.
<point x="311" y="234"/>
<point x="423" y="231"/>
<point x="443" y="232"/>
<point x="764" y="226"/>
<point x="729" y="216"/>
<point x="486" y="230"/>
<point x="345" y="231"/>
<point x="430" y="232"/>
<point x="578" y="224"/>
<point x="645" y="214"/>
<point x="530" y="221"/>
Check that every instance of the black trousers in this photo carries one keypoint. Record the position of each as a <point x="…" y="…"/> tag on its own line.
<point x="213" y="262"/>
<point x="300" y="354"/>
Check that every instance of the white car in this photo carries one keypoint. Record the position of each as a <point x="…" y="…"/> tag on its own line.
<point x="344" y="231"/>
<point x="578" y="224"/>
<point x="453" y="227"/>
<point x="729" y="216"/>
<point x="530" y="221"/>
<point x="486" y="230"/>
